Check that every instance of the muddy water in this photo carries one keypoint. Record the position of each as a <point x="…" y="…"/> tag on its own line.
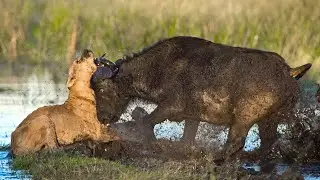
<point x="309" y="171"/>
<point x="20" y="97"/>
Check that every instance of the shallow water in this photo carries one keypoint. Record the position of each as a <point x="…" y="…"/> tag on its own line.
<point x="5" y="168"/>
<point x="309" y="171"/>
<point x="21" y="97"/>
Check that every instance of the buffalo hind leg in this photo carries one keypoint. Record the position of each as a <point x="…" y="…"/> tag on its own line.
<point x="267" y="133"/>
<point x="236" y="139"/>
<point x="235" y="143"/>
<point x="246" y="113"/>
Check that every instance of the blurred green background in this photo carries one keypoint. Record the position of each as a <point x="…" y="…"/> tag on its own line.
<point x="44" y="33"/>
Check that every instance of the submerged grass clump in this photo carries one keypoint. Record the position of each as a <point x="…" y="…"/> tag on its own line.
<point x="53" y="31"/>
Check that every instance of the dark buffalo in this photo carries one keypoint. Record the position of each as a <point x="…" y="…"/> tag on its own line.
<point x="195" y="79"/>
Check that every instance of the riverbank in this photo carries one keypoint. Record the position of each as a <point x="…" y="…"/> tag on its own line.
<point x="66" y="166"/>
<point x="71" y="165"/>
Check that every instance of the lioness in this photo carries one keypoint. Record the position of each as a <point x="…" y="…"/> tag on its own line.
<point x="54" y="126"/>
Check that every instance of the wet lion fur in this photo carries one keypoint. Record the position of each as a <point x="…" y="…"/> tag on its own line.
<point x="54" y="126"/>
<point x="196" y="80"/>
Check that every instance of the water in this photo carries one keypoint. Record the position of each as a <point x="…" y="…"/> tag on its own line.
<point x="20" y="97"/>
<point x="309" y="171"/>
<point x="17" y="100"/>
<point x="5" y="169"/>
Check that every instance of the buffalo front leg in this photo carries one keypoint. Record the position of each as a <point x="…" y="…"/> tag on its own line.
<point x="190" y="131"/>
<point x="147" y="122"/>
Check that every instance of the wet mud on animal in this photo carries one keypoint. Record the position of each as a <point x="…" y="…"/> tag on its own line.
<point x="196" y="80"/>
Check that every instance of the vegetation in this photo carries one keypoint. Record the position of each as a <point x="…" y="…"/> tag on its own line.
<point x="36" y="31"/>
<point x="66" y="166"/>
<point x="53" y="32"/>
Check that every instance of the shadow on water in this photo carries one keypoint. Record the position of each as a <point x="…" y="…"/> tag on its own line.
<point x="33" y="87"/>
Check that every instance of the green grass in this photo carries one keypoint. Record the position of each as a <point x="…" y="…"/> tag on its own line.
<point x="37" y="31"/>
<point x="65" y="166"/>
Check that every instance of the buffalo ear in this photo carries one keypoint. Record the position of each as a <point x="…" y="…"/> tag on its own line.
<point x="103" y="72"/>
<point x="108" y="72"/>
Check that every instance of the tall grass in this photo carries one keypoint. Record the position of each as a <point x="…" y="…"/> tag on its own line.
<point x="37" y="31"/>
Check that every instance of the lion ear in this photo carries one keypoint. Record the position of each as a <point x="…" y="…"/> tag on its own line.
<point x="71" y="75"/>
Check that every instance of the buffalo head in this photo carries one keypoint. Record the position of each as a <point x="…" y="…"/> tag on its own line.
<point x="106" y="68"/>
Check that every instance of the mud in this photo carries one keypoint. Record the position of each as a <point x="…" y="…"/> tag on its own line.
<point x="165" y="153"/>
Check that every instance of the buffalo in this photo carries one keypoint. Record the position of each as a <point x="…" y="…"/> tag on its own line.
<point x="194" y="79"/>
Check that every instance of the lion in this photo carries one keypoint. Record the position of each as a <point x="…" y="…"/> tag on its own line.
<point x="51" y="127"/>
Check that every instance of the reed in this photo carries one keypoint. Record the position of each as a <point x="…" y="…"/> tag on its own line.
<point x="36" y="31"/>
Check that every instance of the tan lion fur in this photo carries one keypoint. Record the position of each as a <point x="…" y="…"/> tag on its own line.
<point x="54" y="126"/>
